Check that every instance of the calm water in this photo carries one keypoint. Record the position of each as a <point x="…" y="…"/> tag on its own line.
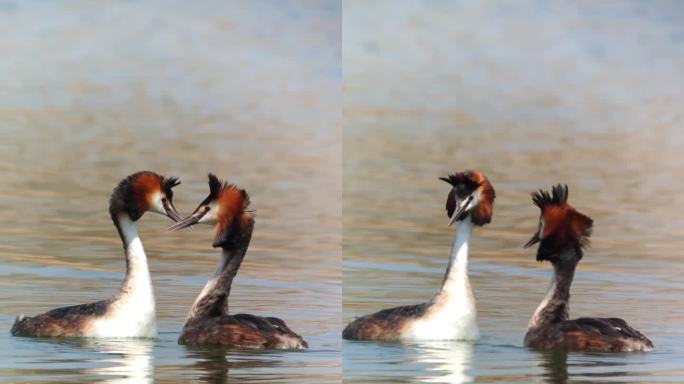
<point x="532" y="94"/>
<point x="88" y="96"/>
<point x="585" y="93"/>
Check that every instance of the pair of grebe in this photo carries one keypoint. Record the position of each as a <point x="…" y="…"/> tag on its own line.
<point x="131" y="312"/>
<point x="562" y="234"/>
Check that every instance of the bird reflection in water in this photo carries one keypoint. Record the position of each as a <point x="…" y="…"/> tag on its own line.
<point x="126" y="361"/>
<point x="555" y="364"/>
<point x="446" y="361"/>
<point x="214" y="362"/>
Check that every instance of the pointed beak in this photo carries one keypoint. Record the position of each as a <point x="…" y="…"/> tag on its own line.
<point x="534" y="240"/>
<point x="187" y="222"/>
<point x="460" y="210"/>
<point x="453" y="217"/>
<point x="171" y="210"/>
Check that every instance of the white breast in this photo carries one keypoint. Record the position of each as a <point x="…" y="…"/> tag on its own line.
<point x="457" y="322"/>
<point x="451" y="316"/>
<point x="128" y="318"/>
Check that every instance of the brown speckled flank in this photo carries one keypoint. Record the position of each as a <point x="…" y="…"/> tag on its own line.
<point x="61" y="322"/>
<point x="385" y="325"/>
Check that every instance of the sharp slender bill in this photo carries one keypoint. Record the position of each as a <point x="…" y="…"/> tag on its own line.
<point x="534" y="240"/>
<point x="171" y="212"/>
<point x="458" y="212"/>
<point x="453" y="218"/>
<point x="187" y="222"/>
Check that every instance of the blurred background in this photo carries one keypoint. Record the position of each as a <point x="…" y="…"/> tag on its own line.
<point x="531" y="93"/>
<point x="90" y="94"/>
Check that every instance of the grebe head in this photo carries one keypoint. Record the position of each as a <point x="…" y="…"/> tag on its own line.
<point x="226" y="207"/>
<point x="143" y="191"/>
<point x="471" y="194"/>
<point x="561" y="227"/>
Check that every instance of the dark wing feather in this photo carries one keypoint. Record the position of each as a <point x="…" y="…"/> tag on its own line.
<point x="279" y="324"/>
<point x="611" y="326"/>
<point x="384" y="325"/>
<point x="603" y="334"/>
<point x="98" y="308"/>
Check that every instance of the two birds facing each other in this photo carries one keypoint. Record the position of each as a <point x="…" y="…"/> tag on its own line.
<point x="562" y="235"/>
<point x="131" y="311"/>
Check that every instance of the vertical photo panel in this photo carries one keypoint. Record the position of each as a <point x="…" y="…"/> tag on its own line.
<point x="490" y="147"/>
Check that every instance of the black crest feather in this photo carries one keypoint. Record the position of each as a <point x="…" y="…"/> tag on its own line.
<point x="463" y="179"/>
<point x="558" y="196"/>
<point x="168" y="183"/>
<point x="216" y="185"/>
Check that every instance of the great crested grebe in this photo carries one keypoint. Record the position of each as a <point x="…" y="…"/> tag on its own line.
<point x="451" y="314"/>
<point x="208" y="321"/>
<point x="129" y="313"/>
<point x="562" y="234"/>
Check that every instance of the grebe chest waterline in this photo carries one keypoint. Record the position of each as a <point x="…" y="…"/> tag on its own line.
<point x="129" y="313"/>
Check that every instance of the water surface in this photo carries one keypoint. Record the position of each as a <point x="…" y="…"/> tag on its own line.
<point x="532" y="94"/>
<point x="90" y="94"/>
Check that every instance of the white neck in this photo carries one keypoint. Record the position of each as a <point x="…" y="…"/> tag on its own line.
<point x="137" y="283"/>
<point x="458" y="262"/>
<point x="131" y="312"/>
<point x="536" y="318"/>
<point x="456" y="285"/>
<point x="555" y="306"/>
<point x="210" y="285"/>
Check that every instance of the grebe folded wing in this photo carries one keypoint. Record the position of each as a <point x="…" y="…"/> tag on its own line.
<point x="611" y="334"/>
<point x="387" y="324"/>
